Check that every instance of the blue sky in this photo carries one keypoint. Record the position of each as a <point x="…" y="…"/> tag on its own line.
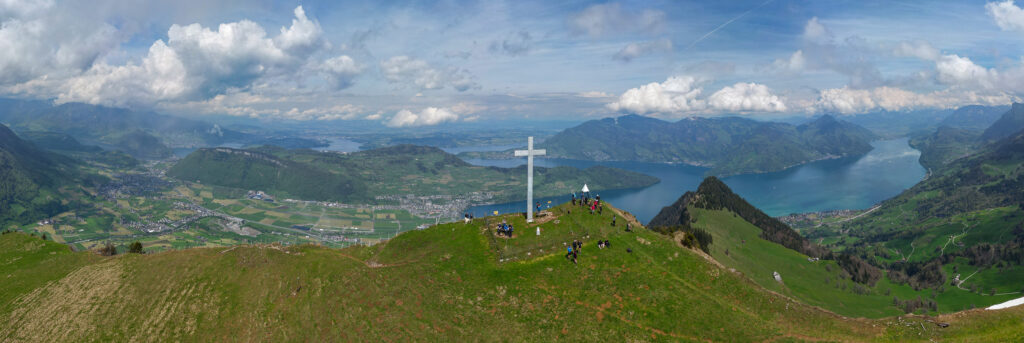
<point x="432" y="63"/>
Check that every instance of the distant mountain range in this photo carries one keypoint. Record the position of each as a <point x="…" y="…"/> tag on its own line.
<point x="143" y="135"/>
<point x="962" y="134"/>
<point x="728" y="145"/>
<point x="974" y="117"/>
<point x="398" y="170"/>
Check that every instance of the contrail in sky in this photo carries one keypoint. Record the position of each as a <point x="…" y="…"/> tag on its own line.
<point x="726" y="23"/>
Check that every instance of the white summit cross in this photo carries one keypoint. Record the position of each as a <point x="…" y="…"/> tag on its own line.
<point x="529" y="153"/>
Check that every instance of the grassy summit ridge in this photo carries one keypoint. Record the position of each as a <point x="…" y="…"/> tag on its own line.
<point x="445" y="283"/>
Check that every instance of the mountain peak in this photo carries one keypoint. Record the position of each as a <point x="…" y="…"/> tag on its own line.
<point x="1008" y="124"/>
<point x="825" y="119"/>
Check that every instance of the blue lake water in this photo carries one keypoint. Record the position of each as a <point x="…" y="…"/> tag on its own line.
<point x="458" y="150"/>
<point x="847" y="183"/>
<point x="341" y="145"/>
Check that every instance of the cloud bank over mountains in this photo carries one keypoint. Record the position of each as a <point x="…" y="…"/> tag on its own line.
<point x="409" y="66"/>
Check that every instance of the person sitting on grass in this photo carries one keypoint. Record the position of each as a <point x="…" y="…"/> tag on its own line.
<point x="600" y="245"/>
<point x="607" y="244"/>
<point x="568" y="254"/>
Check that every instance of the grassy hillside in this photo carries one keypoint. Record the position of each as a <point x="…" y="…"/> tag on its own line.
<point x="728" y="145"/>
<point x="446" y="283"/>
<point x="744" y="238"/>
<point x="29" y="180"/>
<point x="958" y="233"/>
<point x="57" y="141"/>
<point x="403" y="169"/>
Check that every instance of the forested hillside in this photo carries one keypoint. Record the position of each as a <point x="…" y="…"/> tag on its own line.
<point x="728" y="145"/>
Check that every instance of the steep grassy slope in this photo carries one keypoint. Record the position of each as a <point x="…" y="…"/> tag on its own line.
<point x="729" y="145"/>
<point x="440" y="284"/>
<point x="402" y="169"/>
<point x="713" y="194"/>
<point x="744" y="238"/>
<point x="29" y="178"/>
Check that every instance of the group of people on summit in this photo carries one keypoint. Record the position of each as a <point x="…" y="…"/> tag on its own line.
<point x="574" y="249"/>
<point x="505" y="229"/>
<point x="585" y="201"/>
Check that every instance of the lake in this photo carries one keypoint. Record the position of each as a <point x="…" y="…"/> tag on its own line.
<point x="847" y="183"/>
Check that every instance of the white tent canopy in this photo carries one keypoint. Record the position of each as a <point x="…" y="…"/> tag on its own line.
<point x="585" y="189"/>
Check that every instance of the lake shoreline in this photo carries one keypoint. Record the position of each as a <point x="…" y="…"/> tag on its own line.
<point x="843" y="183"/>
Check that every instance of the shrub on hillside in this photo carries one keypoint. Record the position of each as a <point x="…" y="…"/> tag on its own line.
<point x="135" y="248"/>
<point x="697" y="238"/>
<point x="108" y="250"/>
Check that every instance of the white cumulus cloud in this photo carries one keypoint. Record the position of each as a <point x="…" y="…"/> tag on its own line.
<point x="408" y="70"/>
<point x="846" y="100"/>
<point x="815" y="32"/>
<point x="161" y="75"/>
<point x="343" y="112"/>
<point x="794" y="64"/>
<point x="746" y="97"/>
<point x="303" y="36"/>
<point x="428" y="116"/>
<point x="40" y="41"/>
<point x="961" y="71"/>
<point x="341" y="71"/>
<point x="677" y="94"/>
<point x="197" y="62"/>
<point x="1008" y="16"/>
